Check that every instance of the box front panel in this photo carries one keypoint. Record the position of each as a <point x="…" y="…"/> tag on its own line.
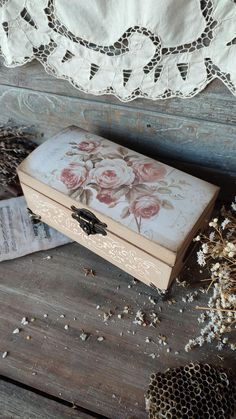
<point x="117" y="251"/>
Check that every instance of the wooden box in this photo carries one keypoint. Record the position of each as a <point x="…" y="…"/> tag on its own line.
<point x="135" y="212"/>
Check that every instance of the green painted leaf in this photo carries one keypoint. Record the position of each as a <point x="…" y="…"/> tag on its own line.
<point x="89" y="196"/>
<point x="122" y="151"/>
<point x="162" y="182"/>
<point x="83" y="198"/>
<point x="164" y="190"/>
<point x="131" y="195"/>
<point x="95" y="159"/>
<point x="118" y="193"/>
<point x="125" y="212"/>
<point x="112" y="205"/>
<point x="76" y="193"/>
<point x="142" y="188"/>
<point x="94" y="186"/>
<point x="176" y="186"/>
<point x="177" y="196"/>
<point x="167" y="204"/>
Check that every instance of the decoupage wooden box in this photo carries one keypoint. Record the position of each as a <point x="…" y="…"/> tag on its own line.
<point x="135" y="212"/>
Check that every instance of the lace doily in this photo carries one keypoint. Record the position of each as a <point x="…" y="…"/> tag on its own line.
<point x="154" y="49"/>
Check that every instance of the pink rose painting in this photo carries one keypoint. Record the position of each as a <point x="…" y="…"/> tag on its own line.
<point x="136" y="186"/>
<point x="112" y="174"/>
<point x="89" y="146"/>
<point x="106" y="196"/>
<point x="145" y="206"/>
<point x="74" y="175"/>
<point x="148" y="171"/>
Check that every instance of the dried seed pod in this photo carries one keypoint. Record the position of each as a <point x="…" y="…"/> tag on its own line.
<point x="195" y="391"/>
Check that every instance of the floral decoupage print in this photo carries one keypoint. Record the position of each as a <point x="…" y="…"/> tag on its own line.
<point x="135" y="184"/>
<point x="150" y="198"/>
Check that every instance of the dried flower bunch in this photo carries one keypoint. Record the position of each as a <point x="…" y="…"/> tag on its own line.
<point x="196" y="391"/>
<point x="15" y="145"/>
<point x="218" y="255"/>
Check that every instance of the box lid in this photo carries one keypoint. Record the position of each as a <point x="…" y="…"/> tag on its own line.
<point x="148" y="203"/>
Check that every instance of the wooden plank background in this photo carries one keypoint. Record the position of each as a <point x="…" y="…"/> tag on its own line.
<point x="19" y="403"/>
<point x="198" y="133"/>
<point x="108" y="377"/>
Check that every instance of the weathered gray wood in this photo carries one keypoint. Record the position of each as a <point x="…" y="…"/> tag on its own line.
<point x="215" y="103"/>
<point x="18" y="403"/>
<point x="108" y="377"/>
<point x="151" y="133"/>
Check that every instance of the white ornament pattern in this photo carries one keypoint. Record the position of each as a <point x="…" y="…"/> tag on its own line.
<point x="60" y="218"/>
<point x="156" y="49"/>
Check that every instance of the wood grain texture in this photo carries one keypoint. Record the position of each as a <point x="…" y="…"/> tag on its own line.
<point x="215" y="103"/>
<point x="108" y="377"/>
<point x="19" y="403"/>
<point x="151" y="133"/>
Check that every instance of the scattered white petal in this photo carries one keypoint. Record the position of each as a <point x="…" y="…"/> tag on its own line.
<point x="233" y="206"/>
<point x="84" y="336"/>
<point x="106" y="316"/>
<point x="126" y="310"/>
<point x="225" y="223"/>
<point x="152" y="301"/>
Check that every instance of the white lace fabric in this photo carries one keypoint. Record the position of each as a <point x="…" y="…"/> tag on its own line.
<point x="129" y="48"/>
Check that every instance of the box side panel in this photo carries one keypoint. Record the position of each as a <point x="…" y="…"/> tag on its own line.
<point x="187" y="249"/>
<point x="117" y="251"/>
<point x="199" y="226"/>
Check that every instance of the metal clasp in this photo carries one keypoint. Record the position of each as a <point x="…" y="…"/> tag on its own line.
<point x="89" y="223"/>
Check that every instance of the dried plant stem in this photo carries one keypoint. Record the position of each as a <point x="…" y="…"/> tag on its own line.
<point x="214" y="309"/>
<point x="209" y="286"/>
<point x="15" y="145"/>
<point x="206" y="279"/>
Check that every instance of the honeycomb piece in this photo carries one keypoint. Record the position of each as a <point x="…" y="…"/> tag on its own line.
<point x="195" y="391"/>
